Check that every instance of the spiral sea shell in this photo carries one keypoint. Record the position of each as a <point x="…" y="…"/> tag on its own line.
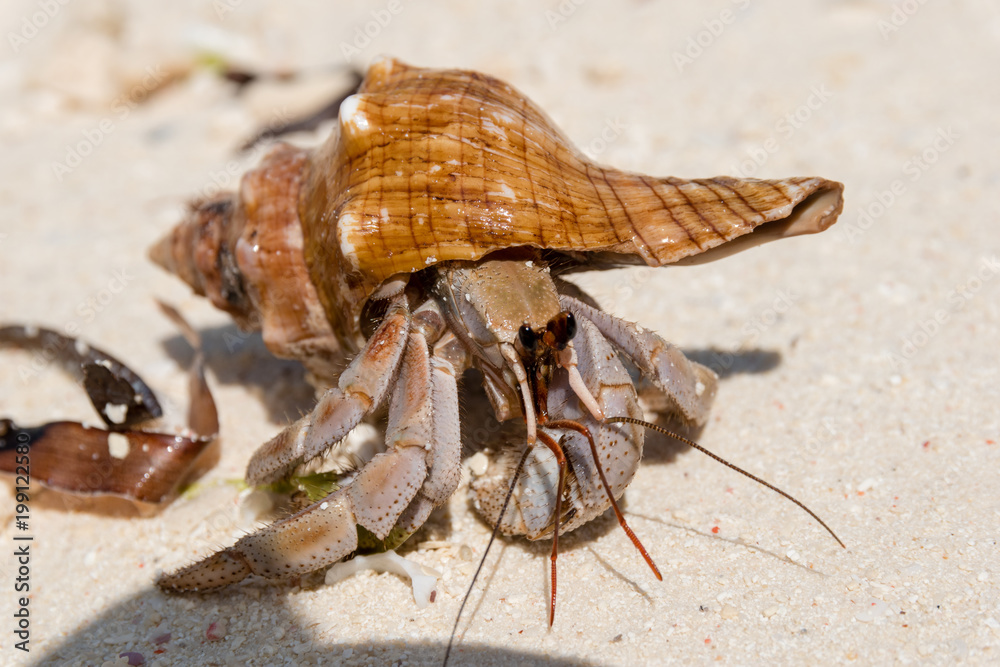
<point x="427" y="166"/>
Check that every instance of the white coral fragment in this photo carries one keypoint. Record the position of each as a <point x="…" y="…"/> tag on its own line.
<point x="422" y="578"/>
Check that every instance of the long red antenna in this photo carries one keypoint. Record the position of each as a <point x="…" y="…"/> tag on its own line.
<point x="695" y="445"/>
<point x="583" y="430"/>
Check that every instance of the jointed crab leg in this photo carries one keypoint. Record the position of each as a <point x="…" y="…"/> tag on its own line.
<point x="327" y="531"/>
<point x="691" y="386"/>
<point x="444" y="459"/>
<point x="385" y="485"/>
<point x="362" y="387"/>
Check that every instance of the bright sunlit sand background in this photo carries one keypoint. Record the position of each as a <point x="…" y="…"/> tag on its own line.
<point x="860" y="367"/>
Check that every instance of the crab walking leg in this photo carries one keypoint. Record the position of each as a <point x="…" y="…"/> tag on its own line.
<point x="327" y="531"/>
<point x="361" y="388"/>
<point x="445" y="457"/>
<point x="388" y="483"/>
<point x="318" y="535"/>
<point x="689" y="385"/>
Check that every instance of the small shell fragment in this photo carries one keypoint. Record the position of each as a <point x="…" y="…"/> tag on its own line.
<point x="423" y="579"/>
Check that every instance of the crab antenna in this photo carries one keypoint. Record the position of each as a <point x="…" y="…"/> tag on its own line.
<point x="482" y="561"/>
<point x="695" y="445"/>
<point x="583" y="430"/>
<point x="556" y="449"/>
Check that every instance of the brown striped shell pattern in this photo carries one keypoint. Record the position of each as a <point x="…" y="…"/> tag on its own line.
<point x="425" y="237"/>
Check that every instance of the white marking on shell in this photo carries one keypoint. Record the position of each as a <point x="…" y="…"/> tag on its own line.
<point x="350" y="113"/>
<point x="430" y="260"/>
<point x="436" y="168"/>
<point x="81" y="347"/>
<point x="490" y="126"/>
<point x="384" y="214"/>
<point x="347" y="227"/>
<point x="384" y="64"/>
<point x="118" y="445"/>
<point x="503" y="118"/>
<point x="31" y="331"/>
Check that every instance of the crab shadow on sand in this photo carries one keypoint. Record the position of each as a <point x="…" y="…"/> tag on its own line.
<point x="279" y="636"/>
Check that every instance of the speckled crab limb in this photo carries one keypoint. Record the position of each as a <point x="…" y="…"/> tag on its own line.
<point x="619" y="450"/>
<point x="385" y="487"/>
<point x="444" y="460"/>
<point x="689" y="385"/>
<point x="361" y="388"/>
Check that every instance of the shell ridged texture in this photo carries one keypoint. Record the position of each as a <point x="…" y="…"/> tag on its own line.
<point x="436" y="165"/>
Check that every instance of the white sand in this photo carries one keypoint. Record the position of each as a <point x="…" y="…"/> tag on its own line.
<point x="854" y="398"/>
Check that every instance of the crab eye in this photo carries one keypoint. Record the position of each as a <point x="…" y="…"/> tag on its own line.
<point x="570" y="325"/>
<point x="527" y="337"/>
<point x="560" y="330"/>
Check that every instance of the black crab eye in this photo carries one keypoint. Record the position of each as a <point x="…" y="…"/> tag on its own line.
<point x="527" y="337"/>
<point x="570" y="325"/>
<point x="560" y="330"/>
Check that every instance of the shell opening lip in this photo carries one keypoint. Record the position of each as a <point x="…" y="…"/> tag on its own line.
<point x="812" y="215"/>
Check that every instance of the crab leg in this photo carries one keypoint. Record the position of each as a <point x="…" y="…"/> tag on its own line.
<point x="361" y="388"/>
<point x="327" y="531"/>
<point x="444" y="460"/>
<point x="689" y="385"/>
<point x="385" y="485"/>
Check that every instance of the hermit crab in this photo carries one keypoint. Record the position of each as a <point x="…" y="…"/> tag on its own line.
<point x="429" y="235"/>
